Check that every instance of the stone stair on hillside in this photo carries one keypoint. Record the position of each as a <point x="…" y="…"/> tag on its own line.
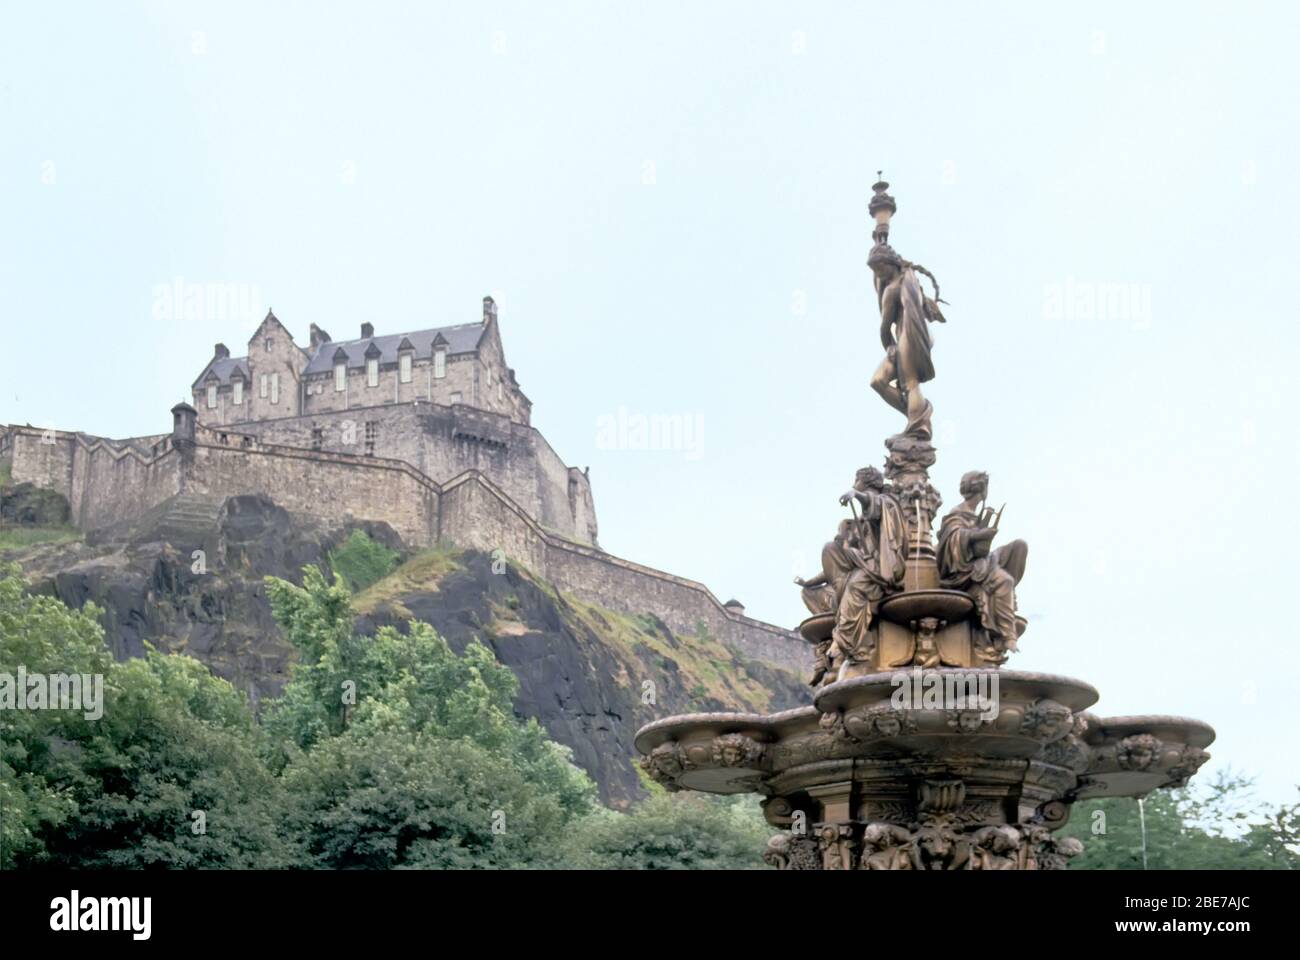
<point x="186" y="520"/>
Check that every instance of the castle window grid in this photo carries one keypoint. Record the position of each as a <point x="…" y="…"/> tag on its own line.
<point x="275" y="388"/>
<point x="439" y="364"/>
<point x="212" y="396"/>
<point x="404" y="367"/>
<point x="372" y="372"/>
<point x="262" y="386"/>
<point x="372" y="434"/>
<point x="237" y="392"/>
<point x="340" y="377"/>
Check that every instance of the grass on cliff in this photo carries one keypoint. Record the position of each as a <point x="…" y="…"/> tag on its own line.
<point x="419" y="574"/>
<point x="16" y="538"/>
<point x="709" y="671"/>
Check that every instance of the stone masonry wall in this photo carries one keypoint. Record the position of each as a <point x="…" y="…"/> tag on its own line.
<point x="443" y="442"/>
<point x="476" y="513"/>
<point x="103" y="481"/>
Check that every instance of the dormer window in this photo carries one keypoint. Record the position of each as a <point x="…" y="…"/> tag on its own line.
<point x="340" y="377"/>
<point x="237" y="391"/>
<point x="212" y="396"/>
<point x="372" y="372"/>
<point x="404" y="368"/>
<point x="439" y="364"/>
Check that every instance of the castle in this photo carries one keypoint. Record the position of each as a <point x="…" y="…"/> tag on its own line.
<point x="442" y="400"/>
<point x="427" y="431"/>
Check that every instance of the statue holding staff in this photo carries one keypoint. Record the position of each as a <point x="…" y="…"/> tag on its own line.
<point x="905" y="312"/>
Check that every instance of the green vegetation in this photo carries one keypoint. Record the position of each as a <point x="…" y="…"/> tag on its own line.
<point x="16" y="538"/>
<point x="361" y="561"/>
<point x="1214" y="826"/>
<point x="704" y="664"/>
<point x="420" y="574"/>
<point x="170" y="775"/>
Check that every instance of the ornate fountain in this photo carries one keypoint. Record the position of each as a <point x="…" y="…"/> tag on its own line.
<point x="919" y="751"/>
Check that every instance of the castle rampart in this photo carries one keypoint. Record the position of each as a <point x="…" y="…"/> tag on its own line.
<point x="108" y="483"/>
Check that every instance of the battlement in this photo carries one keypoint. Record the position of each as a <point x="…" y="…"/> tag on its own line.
<point x="108" y="482"/>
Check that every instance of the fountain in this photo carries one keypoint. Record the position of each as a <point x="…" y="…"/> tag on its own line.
<point x="919" y="751"/>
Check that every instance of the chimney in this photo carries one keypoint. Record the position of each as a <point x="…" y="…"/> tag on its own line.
<point x="367" y="331"/>
<point x="319" y="336"/>
<point x="220" y="352"/>
<point x="489" y="310"/>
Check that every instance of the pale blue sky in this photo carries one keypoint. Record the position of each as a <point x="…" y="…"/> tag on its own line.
<point x="668" y="201"/>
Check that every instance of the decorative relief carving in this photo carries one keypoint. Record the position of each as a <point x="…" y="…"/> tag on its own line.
<point x="737" y="750"/>
<point x="1137" y="752"/>
<point x="788" y="851"/>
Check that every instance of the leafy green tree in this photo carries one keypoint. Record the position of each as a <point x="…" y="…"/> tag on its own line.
<point x="361" y="561"/>
<point x="674" y="831"/>
<point x="170" y="775"/>
<point x="399" y="753"/>
<point x="1216" y="825"/>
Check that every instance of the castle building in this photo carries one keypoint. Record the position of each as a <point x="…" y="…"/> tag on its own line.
<point x="461" y="364"/>
<point x="442" y="399"/>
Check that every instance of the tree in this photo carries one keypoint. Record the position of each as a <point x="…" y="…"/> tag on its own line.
<point x="673" y="831"/>
<point x="397" y="752"/>
<point x="1215" y="826"/>
<point x="170" y="775"/>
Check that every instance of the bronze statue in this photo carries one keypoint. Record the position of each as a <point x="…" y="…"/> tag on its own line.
<point x="905" y="313"/>
<point x="878" y="551"/>
<point x="967" y="562"/>
<point x="821" y="593"/>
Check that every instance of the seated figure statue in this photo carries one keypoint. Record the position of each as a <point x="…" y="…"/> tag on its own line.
<point x="821" y="593"/>
<point x="967" y="562"/>
<point x="877" y="550"/>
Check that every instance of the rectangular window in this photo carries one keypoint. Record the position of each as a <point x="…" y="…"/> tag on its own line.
<point x="372" y="372"/>
<point x="237" y="388"/>
<point x="262" y="390"/>
<point x="455" y="398"/>
<point x="317" y="437"/>
<point x="499" y="392"/>
<point x="275" y="388"/>
<point x="404" y="366"/>
<point x="439" y="364"/>
<point x="372" y="434"/>
<point x="340" y="377"/>
<point x="212" y="397"/>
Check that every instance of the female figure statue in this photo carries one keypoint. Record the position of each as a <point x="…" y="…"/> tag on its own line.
<point x="904" y="314"/>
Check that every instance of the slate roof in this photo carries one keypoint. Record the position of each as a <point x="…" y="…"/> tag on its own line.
<point x="463" y="338"/>
<point x="223" y="367"/>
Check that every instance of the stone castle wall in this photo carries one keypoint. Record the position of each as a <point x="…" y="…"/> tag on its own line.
<point x="102" y="481"/>
<point x="107" y="483"/>
<point x="443" y="442"/>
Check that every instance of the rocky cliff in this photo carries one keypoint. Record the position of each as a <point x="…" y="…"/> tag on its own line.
<point x="188" y="578"/>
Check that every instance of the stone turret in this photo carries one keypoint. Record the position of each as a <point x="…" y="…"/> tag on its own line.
<point x="184" y="418"/>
